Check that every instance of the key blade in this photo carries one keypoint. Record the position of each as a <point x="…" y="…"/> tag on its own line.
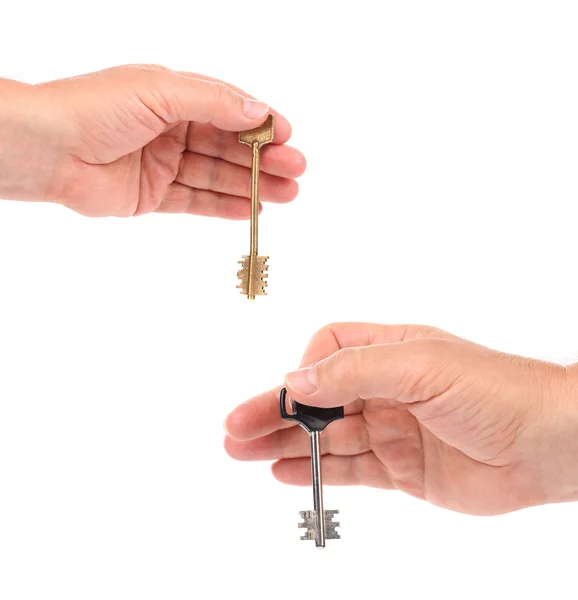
<point x="252" y="275"/>
<point x="331" y="525"/>
<point x="308" y="523"/>
<point x="263" y="134"/>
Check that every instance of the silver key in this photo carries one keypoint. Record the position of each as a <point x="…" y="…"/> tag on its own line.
<point x="318" y="522"/>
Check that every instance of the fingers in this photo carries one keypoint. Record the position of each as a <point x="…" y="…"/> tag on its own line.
<point x="345" y="437"/>
<point x="361" y="469"/>
<point x="184" y="199"/>
<point x="180" y="96"/>
<point x="282" y="126"/>
<point x="174" y="97"/>
<point x="257" y="417"/>
<point x="276" y="159"/>
<point x="207" y="173"/>
<point x="411" y="371"/>
<point x="260" y="416"/>
<point x="336" y="336"/>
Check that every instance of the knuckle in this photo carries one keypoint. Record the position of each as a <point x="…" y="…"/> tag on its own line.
<point x="214" y="175"/>
<point x="344" y="367"/>
<point x="230" y="98"/>
<point x="135" y="72"/>
<point x="326" y="332"/>
<point x="428" y="364"/>
<point x="220" y="94"/>
<point x="427" y="346"/>
<point x="416" y="331"/>
<point x="219" y="99"/>
<point x="429" y="354"/>
<point x="150" y="67"/>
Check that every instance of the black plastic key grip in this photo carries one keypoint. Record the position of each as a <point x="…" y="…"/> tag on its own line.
<point x="311" y="418"/>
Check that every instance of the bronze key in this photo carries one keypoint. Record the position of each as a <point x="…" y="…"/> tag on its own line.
<point x="253" y="267"/>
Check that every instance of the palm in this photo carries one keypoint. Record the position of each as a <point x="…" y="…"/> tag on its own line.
<point x="135" y="183"/>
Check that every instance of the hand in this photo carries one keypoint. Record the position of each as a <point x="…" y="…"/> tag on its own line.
<point x="137" y="139"/>
<point x="433" y="415"/>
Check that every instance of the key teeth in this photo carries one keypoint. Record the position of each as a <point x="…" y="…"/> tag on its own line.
<point x="308" y="523"/>
<point x="259" y="275"/>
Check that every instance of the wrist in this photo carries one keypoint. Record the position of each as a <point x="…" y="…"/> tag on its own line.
<point x="558" y="448"/>
<point x="29" y="139"/>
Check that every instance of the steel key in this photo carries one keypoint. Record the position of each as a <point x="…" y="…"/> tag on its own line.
<point x="318" y="522"/>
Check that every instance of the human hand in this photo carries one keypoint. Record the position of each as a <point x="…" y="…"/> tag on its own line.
<point x="136" y="139"/>
<point x="443" y="419"/>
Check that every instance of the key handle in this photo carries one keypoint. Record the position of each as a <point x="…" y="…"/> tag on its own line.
<point x="311" y="418"/>
<point x="261" y="135"/>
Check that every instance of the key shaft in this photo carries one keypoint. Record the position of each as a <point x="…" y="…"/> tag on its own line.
<point x="317" y="490"/>
<point x="254" y="247"/>
<point x="254" y="250"/>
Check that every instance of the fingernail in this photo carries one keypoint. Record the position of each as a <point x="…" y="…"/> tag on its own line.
<point x="303" y="381"/>
<point x="253" y="109"/>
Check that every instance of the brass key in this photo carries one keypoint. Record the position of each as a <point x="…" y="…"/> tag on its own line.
<point x="252" y="273"/>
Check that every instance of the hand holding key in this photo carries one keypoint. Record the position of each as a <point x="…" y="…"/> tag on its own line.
<point x="137" y="139"/>
<point x="443" y="419"/>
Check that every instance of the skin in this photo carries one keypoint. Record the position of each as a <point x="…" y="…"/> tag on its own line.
<point x="462" y="426"/>
<point x="137" y="139"/>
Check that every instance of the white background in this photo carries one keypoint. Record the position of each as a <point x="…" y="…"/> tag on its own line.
<point x="442" y="146"/>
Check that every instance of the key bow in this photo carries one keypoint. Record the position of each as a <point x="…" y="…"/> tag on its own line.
<point x="311" y="418"/>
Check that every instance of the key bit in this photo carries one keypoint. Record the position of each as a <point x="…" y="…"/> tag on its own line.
<point x="252" y="273"/>
<point x="309" y="522"/>
<point x="318" y="522"/>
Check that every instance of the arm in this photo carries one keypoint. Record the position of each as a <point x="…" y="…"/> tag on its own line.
<point x="29" y="144"/>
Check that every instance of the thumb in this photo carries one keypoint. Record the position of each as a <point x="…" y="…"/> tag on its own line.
<point x="178" y="97"/>
<point x="412" y="371"/>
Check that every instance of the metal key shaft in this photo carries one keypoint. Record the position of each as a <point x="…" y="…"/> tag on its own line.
<point x="254" y="248"/>
<point x="319" y="523"/>
<point x="317" y="489"/>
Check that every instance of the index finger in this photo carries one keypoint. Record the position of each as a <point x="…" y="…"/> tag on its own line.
<point x="261" y="416"/>
<point x="334" y="337"/>
<point x="256" y="417"/>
